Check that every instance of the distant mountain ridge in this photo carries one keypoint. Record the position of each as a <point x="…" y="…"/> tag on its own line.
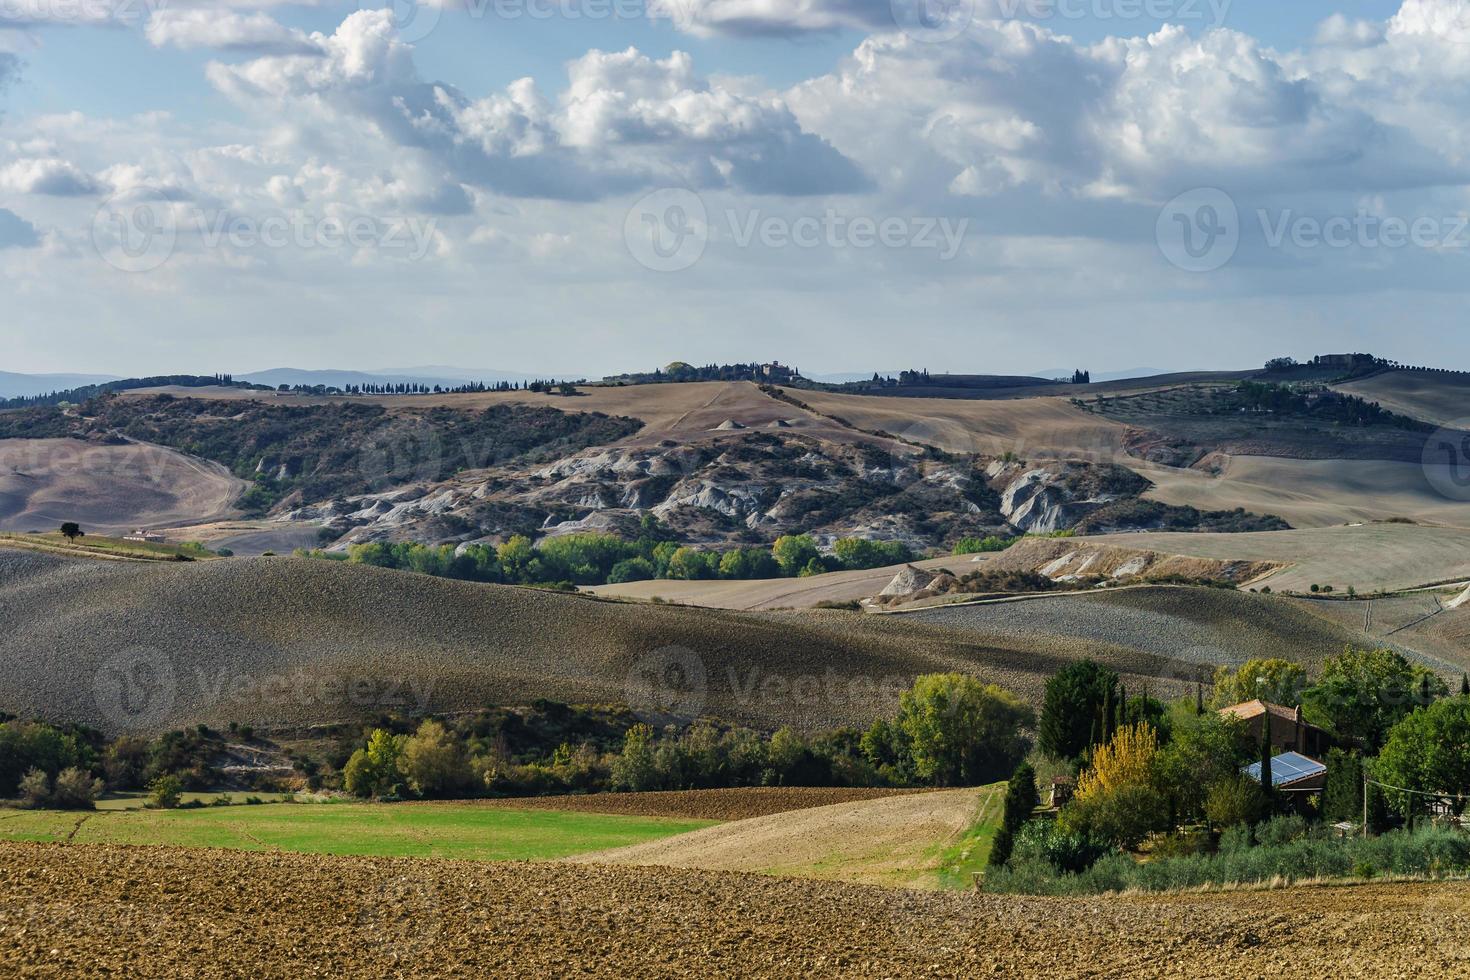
<point x="26" y="385"/>
<point x="444" y="377"/>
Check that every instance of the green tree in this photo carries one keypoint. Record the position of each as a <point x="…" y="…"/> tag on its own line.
<point x="71" y="530"/>
<point x="1364" y="693"/>
<point x="634" y="769"/>
<point x="433" y="761"/>
<point x="688" y="563"/>
<point x="515" y="558"/>
<point x="1202" y="750"/>
<point x="1233" y="800"/>
<point x="1428" y="751"/>
<point x="1071" y="713"/>
<point x="1020" y="801"/>
<point x="1342" y="797"/>
<point x="164" y="792"/>
<point x="962" y="732"/>
<point x="793" y="552"/>
<point x="631" y="570"/>
<point x="1267" y="679"/>
<point x="374" y="771"/>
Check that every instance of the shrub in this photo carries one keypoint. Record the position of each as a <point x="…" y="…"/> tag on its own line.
<point x="164" y="792"/>
<point x="35" y="789"/>
<point x="75" y="789"/>
<point x="1123" y="816"/>
<point x="1234" y="800"/>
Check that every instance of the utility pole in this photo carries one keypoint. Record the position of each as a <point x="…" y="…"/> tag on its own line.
<point x="1365" y="800"/>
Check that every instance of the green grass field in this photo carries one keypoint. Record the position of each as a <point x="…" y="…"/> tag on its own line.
<point x="962" y="860"/>
<point x="105" y="547"/>
<point x="429" y="830"/>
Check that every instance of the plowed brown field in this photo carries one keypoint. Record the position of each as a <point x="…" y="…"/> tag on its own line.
<point x="742" y="803"/>
<point x="150" y="912"/>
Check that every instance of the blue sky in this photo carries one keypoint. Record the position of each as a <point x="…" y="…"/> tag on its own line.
<point x="815" y="180"/>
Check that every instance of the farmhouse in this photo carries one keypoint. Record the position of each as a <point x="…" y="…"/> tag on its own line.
<point x="1289" y="732"/>
<point x="1292" y="772"/>
<point x="150" y="537"/>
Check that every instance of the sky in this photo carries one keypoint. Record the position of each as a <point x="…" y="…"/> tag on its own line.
<point x="595" y="186"/>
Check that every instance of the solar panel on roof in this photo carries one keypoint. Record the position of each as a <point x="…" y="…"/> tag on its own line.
<point x="1287" y="767"/>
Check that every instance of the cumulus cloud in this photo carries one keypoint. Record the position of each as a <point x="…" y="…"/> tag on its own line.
<point x="1010" y="107"/>
<point x="227" y="31"/>
<point x="775" y="17"/>
<point x="51" y="176"/>
<point x="625" y="121"/>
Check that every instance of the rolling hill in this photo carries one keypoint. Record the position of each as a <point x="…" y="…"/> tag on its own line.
<point x="289" y="642"/>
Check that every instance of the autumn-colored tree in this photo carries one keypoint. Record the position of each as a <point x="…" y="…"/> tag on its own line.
<point x="1126" y="760"/>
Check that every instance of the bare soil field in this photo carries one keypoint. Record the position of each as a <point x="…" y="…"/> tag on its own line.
<point x="741" y="803"/>
<point x="894" y="841"/>
<point x="1191" y="631"/>
<point x="284" y="642"/>
<point x="1027" y="427"/>
<point x="1309" y="492"/>
<point x="686" y="412"/>
<point x="1369" y="557"/>
<point x="151" y="912"/>
<point x="1438" y="398"/>
<point x="107" y="488"/>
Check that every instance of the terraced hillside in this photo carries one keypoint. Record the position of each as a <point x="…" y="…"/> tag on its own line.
<point x="274" y="641"/>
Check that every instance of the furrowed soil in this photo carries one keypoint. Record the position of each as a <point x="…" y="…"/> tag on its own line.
<point x="150" y="912"/>
<point x="741" y="803"/>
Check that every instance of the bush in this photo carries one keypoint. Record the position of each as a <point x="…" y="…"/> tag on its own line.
<point x="35" y="789"/>
<point x="1234" y="800"/>
<point x="1123" y="816"/>
<point x="164" y="792"/>
<point x="75" y="789"/>
<point x="1430" y="852"/>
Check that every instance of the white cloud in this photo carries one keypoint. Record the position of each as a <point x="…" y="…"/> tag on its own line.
<point x="224" y="30"/>
<point x="772" y="17"/>
<point x="625" y="121"/>
<point x="52" y="176"/>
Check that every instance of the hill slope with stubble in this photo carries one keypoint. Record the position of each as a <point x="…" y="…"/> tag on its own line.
<point x="286" y="642"/>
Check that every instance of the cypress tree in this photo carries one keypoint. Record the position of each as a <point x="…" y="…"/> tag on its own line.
<point x="1465" y="683"/>
<point x="1020" y="801"/>
<point x="1120" y="717"/>
<point x="1199" y="697"/>
<point x="1266" y="752"/>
